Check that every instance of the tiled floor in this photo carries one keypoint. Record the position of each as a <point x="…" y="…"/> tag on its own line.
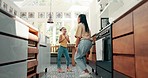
<point x="52" y="72"/>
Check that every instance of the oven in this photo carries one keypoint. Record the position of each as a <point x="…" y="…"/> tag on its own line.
<point x="104" y="52"/>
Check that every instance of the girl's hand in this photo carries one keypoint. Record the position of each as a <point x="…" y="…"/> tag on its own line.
<point x="66" y="36"/>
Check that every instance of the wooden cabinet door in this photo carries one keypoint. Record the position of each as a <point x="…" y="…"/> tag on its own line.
<point x="141" y="40"/>
<point x="124" y="45"/>
<point x="123" y="26"/>
<point x="124" y="64"/>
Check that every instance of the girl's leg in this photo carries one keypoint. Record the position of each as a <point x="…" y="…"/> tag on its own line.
<point x="66" y="54"/>
<point x="60" y="52"/>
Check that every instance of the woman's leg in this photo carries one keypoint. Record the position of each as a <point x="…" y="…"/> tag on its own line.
<point x="79" y="58"/>
<point x="60" y="52"/>
<point x="83" y="47"/>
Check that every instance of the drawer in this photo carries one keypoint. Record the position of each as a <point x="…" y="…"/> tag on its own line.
<point x="17" y="70"/>
<point x="10" y="26"/>
<point x="124" y="64"/>
<point x="12" y="49"/>
<point x="124" y="45"/>
<point x="123" y="26"/>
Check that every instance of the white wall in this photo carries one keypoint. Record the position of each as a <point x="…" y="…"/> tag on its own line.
<point x="94" y="19"/>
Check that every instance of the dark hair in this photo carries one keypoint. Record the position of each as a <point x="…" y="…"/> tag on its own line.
<point x="62" y="28"/>
<point x="84" y="21"/>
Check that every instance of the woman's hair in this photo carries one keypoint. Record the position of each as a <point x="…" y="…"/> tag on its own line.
<point x="62" y="28"/>
<point x="84" y="21"/>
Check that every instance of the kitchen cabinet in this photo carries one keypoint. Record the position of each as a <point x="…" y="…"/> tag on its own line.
<point x="130" y="43"/>
<point x="141" y="40"/>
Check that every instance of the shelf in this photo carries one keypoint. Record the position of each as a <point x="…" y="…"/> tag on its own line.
<point x="31" y="75"/>
<point x="30" y="70"/>
<point x="33" y="37"/>
<point x="125" y="8"/>
<point x="32" y="63"/>
<point x="111" y="8"/>
<point x="103" y="1"/>
<point x="32" y="50"/>
<point x="116" y="8"/>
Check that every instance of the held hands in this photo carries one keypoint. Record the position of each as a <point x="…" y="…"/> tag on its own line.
<point x="66" y="36"/>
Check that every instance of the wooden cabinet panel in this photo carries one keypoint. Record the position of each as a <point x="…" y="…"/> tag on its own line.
<point x="124" y="45"/>
<point x="124" y="64"/>
<point x="123" y="26"/>
<point x="141" y="40"/>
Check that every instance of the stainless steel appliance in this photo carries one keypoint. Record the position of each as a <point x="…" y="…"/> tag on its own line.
<point x="104" y="53"/>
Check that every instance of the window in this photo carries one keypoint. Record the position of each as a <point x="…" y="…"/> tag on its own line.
<point x="31" y="15"/>
<point x="11" y="10"/>
<point x="41" y="15"/>
<point x="23" y="14"/>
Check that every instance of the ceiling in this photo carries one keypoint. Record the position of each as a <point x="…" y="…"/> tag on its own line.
<point x="56" y="4"/>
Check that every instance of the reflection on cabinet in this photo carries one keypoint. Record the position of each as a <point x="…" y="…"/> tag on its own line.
<point x="17" y="70"/>
<point x="13" y="47"/>
<point x="130" y="43"/>
<point x="43" y="55"/>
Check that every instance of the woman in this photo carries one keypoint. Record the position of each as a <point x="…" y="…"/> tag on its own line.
<point x="63" y="40"/>
<point x="83" y="44"/>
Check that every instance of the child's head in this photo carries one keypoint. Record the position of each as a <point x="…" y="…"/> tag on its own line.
<point x="63" y="30"/>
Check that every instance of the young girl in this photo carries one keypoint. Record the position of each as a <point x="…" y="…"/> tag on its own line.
<point x="63" y="40"/>
<point x="83" y="44"/>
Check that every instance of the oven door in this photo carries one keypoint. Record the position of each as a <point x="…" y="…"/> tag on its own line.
<point x="99" y="49"/>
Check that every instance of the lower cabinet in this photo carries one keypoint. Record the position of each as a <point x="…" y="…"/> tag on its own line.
<point x="130" y="51"/>
<point x="17" y="70"/>
<point x="12" y="49"/>
<point x="124" y="64"/>
<point x="141" y="40"/>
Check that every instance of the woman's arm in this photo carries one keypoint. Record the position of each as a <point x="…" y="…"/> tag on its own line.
<point x="60" y="39"/>
<point x="67" y="38"/>
<point x="77" y="41"/>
